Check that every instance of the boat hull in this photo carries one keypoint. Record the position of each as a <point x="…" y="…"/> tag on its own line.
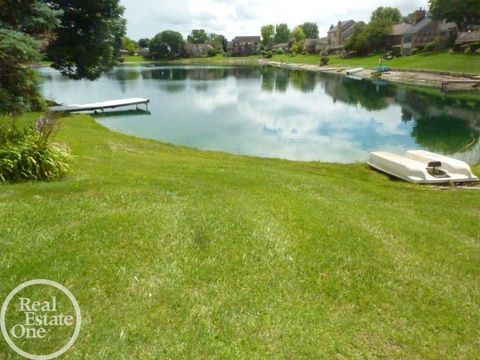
<point x="414" y="167"/>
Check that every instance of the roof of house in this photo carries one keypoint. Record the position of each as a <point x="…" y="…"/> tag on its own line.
<point x="468" y="37"/>
<point x="419" y="25"/>
<point x="247" y="39"/>
<point x="401" y="29"/>
<point x="317" y="41"/>
<point x="280" y="46"/>
<point x="343" y="25"/>
<point x="198" y="46"/>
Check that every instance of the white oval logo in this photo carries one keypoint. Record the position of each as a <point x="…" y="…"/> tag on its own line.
<point x="37" y="316"/>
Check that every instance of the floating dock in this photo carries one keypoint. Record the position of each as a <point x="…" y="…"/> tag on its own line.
<point x="111" y="104"/>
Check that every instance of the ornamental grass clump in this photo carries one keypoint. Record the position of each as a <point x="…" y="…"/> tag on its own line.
<point x="29" y="153"/>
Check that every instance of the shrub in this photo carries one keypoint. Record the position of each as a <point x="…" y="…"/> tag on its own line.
<point x="305" y="52"/>
<point x="324" y="60"/>
<point x="28" y="153"/>
<point x="212" y="52"/>
<point x="416" y="50"/>
<point x="280" y="51"/>
<point x="295" y="49"/>
<point x="267" y="55"/>
<point x="477" y="52"/>
<point x="468" y="50"/>
<point x="430" y="46"/>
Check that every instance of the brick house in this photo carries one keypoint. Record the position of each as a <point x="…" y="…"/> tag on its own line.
<point x="244" y="45"/>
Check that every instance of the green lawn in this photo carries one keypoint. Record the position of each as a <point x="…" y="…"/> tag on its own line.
<point x="177" y="253"/>
<point x="458" y="63"/>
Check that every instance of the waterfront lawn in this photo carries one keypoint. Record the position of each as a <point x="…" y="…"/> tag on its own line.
<point x="178" y="253"/>
<point x="134" y="59"/>
<point x="442" y="61"/>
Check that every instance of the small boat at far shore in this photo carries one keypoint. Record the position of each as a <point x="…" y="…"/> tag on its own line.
<point x="422" y="167"/>
<point x="354" y="71"/>
<point x="382" y="69"/>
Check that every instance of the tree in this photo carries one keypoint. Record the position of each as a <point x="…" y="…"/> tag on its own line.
<point x="465" y="13"/>
<point x="387" y="14"/>
<point x="198" y="36"/>
<point x="89" y="38"/>
<point x="82" y="38"/>
<point x="268" y="34"/>
<point x="358" y="42"/>
<point x="218" y="41"/>
<point x="144" y="43"/>
<point x="410" y="18"/>
<point x="377" y="33"/>
<point x="18" y="81"/>
<point x="373" y="37"/>
<point x="282" y="34"/>
<point x="167" y="45"/>
<point x="298" y="37"/>
<point x="129" y="45"/>
<point x="310" y="29"/>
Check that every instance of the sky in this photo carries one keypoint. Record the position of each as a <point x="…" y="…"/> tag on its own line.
<point x="231" y="18"/>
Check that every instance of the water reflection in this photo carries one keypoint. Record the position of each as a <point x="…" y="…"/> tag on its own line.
<point x="280" y="113"/>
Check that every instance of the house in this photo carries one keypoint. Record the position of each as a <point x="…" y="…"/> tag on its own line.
<point x="315" y="46"/>
<point x="284" y="46"/>
<point x="395" y="39"/>
<point x="339" y="34"/>
<point x="425" y="30"/>
<point x="244" y="45"/>
<point x="466" y="39"/>
<point x="199" y="50"/>
<point x="145" y="52"/>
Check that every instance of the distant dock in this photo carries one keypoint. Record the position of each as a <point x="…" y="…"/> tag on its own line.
<point x="111" y="104"/>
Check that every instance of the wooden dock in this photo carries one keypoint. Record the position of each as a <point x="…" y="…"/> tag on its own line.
<point x="111" y="104"/>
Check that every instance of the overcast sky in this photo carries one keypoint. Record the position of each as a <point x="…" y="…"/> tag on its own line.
<point x="245" y="17"/>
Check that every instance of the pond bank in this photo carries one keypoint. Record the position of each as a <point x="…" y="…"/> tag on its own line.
<point x="432" y="79"/>
<point x="300" y="245"/>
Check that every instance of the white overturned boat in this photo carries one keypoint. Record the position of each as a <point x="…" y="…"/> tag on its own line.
<point x="422" y="167"/>
<point x="354" y="71"/>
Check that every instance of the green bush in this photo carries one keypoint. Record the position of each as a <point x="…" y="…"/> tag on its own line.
<point x="295" y="49"/>
<point x="477" y="52"/>
<point x="416" y="50"/>
<point x="324" y="60"/>
<point x="280" y="51"/>
<point x="267" y="55"/>
<point x="212" y="52"/>
<point x="28" y="153"/>
<point x="430" y="46"/>
<point x="468" y="50"/>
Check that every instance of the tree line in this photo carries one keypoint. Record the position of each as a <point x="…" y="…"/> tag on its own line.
<point x="170" y="44"/>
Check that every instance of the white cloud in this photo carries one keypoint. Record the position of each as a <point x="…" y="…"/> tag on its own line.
<point x="245" y="17"/>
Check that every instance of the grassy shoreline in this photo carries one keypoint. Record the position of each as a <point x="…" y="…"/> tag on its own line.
<point x="178" y="253"/>
<point x="442" y="62"/>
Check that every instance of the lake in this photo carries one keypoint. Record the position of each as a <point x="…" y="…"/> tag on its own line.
<point x="271" y="112"/>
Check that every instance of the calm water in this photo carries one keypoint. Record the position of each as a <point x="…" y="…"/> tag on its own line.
<point x="278" y="113"/>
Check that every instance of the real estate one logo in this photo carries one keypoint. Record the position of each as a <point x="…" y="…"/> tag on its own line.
<point x="40" y="319"/>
